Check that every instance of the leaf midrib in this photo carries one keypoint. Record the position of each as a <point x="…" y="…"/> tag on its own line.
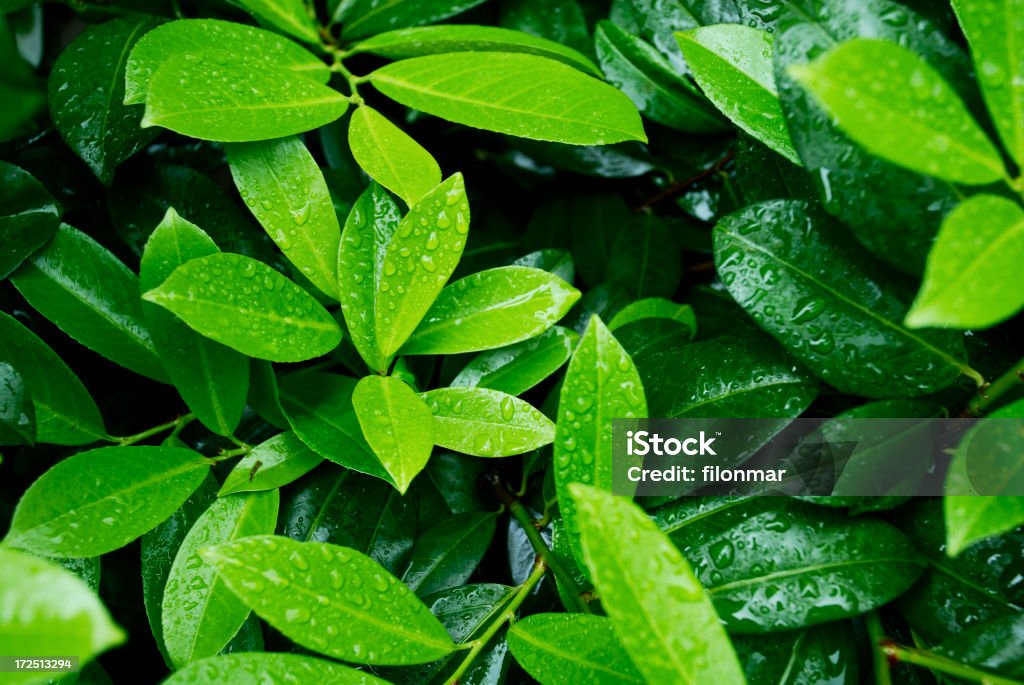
<point x="816" y="568"/>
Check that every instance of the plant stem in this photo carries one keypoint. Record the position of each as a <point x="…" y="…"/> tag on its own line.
<point x="540" y="548"/>
<point x="230" y="454"/>
<point x="921" y="657"/>
<point x="506" y="616"/>
<point x="177" y="424"/>
<point x="990" y="392"/>
<point x="339" y="67"/>
<point x="877" y="635"/>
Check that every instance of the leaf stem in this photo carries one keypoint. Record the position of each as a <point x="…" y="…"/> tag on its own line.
<point x="540" y="548"/>
<point x="877" y="635"/>
<point x="353" y="81"/>
<point x="231" y="454"/>
<point x="990" y="392"/>
<point x="506" y="616"/>
<point x="921" y="657"/>
<point x="177" y="424"/>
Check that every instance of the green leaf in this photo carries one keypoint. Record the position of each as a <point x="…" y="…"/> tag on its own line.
<point x="200" y="615"/>
<point x="433" y="40"/>
<point x="65" y="413"/>
<point x="492" y="309"/>
<point x="86" y="89"/>
<point x="859" y="563"/>
<point x="211" y="378"/>
<point x="559" y="262"/>
<point x="389" y="156"/>
<point x="195" y="35"/>
<point x="825" y="653"/>
<point x="645" y="259"/>
<point x="275" y="462"/>
<point x="293" y="668"/>
<point x="84" y="289"/>
<point x="17" y="415"/>
<point x="810" y="286"/>
<point x="995" y="47"/>
<point x="995" y="646"/>
<point x="659" y="610"/>
<point x="397" y="424"/>
<point x="248" y="306"/>
<point x="571" y="648"/>
<point x="486" y="423"/>
<point x="367" y="233"/>
<point x="561" y="21"/>
<point x="601" y="383"/>
<point x="319" y="410"/>
<point x="29" y="216"/>
<point x="733" y="66"/>
<point x="97" y="501"/>
<point x="331" y="599"/>
<point x="293" y="17"/>
<point x="595" y="222"/>
<point x="232" y="98"/>
<point x="517" y="368"/>
<point x="286" y="192"/>
<point x="367" y="17"/>
<point x="521" y="95"/>
<point x="972" y="276"/>
<point x="655" y="308"/>
<point x="446" y="555"/>
<point x="419" y="258"/>
<point x="652" y="84"/>
<point x="45" y="610"/>
<point x="899" y="108"/>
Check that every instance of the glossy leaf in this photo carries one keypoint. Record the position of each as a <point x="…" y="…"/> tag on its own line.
<point x="829" y="303"/>
<point x="549" y="100"/>
<point x="490" y="309"/>
<point x="655" y="308"/>
<point x="389" y="156"/>
<point x="317" y="586"/>
<point x="601" y="382"/>
<point x="397" y="424"/>
<point x="486" y="423"/>
<point x="996" y="646"/>
<point x="825" y="653"/>
<point x="231" y="98"/>
<point x="98" y="501"/>
<point x="652" y="84"/>
<point x="291" y="16"/>
<point x="275" y="462"/>
<point x="432" y="40"/>
<point x="284" y="189"/>
<point x="190" y="35"/>
<point x="733" y="66"/>
<point x="559" y="649"/>
<point x="559" y="262"/>
<point x="86" y="89"/>
<point x="248" y="306"/>
<point x="45" y="609"/>
<point x="84" y="289"/>
<point x="446" y="555"/>
<point x="29" y="216"/>
<point x="971" y="279"/>
<point x="17" y="414"/>
<point x="211" y="378"/>
<point x="418" y="259"/>
<point x="898" y="107"/>
<point x="517" y="368"/>
<point x="661" y="614"/>
<point x="367" y="17"/>
<point x="200" y="614"/>
<point x="561" y="21"/>
<point x="250" y="669"/>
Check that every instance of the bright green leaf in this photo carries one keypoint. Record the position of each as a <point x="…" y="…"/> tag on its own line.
<point x="521" y="95"/>
<point x="29" y="216"/>
<point x="654" y="308"/>
<point x="519" y="367"/>
<point x="248" y="306"/>
<point x="275" y="462"/>
<point x="486" y="423"/>
<point x="294" y="17"/>
<point x="293" y="668"/>
<point x="389" y="156"/>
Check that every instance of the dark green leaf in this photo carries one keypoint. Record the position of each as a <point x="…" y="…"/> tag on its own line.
<point x="17" y="414"/>
<point x="561" y="21"/>
<point x="823" y="654"/>
<point x="996" y="646"/>
<point x="367" y="17"/>
<point x="29" y="216"/>
<point x="271" y="464"/>
<point x="644" y="259"/>
<point x="446" y="555"/>
<point x="486" y="423"/>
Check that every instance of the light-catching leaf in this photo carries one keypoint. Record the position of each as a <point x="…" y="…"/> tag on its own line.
<point x="248" y="306"/>
<point x="211" y="378"/>
<point x="294" y="17"/>
<point x="367" y="17"/>
<point x="899" y="108"/>
<point x="490" y="309"/>
<point x="285" y="190"/>
<point x="519" y="367"/>
<point x="486" y="423"/>
<point x="518" y="94"/>
<point x="275" y="462"/>
<point x="659" y="610"/>
<point x="79" y="285"/>
<point x="97" y="501"/>
<point x="219" y="95"/>
<point x="733" y="65"/>
<point x="655" y="308"/>
<point x="29" y="216"/>
<point x="390" y="157"/>
<point x="200" y="615"/>
<point x="972" y="279"/>
<point x="600" y="384"/>
<point x="558" y="649"/>
<point x="250" y="669"/>
<point x="397" y="424"/>
<point x="331" y="599"/>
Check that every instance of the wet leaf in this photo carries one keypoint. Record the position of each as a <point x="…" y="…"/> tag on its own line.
<point x="446" y="555"/>
<point x="291" y="16"/>
<point x="825" y="653"/>
<point x="367" y="17"/>
<point x="486" y="423"/>
<point x="275" y="462"/>
<point x="331" y="599"/>
<point x="97" y="501"/>
<point x="996" y="646"/>
<point x="29" y="216"/>
<point x="248" y="306"/>
<point x="559" y="262"/>
<point x="250" y="669"/>
<point x="655" y="308"/>
<point x="517" y="368"/>
<point x="390" y="157"/>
